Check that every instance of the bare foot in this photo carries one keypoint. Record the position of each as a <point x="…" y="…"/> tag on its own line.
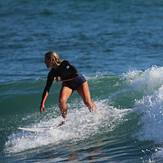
<point x="62" y="123"/>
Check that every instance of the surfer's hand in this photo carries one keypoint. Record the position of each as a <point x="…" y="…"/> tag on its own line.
<point x="42" y="108"/>
<point x="93" y="108"/>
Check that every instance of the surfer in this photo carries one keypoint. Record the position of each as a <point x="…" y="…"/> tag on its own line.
<point x="63" y="70"/>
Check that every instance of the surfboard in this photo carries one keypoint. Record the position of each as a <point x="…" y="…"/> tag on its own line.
<point x="41" y="129"/>
<point x="33" y="129"/>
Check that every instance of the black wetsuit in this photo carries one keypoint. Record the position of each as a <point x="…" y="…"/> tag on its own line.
<point x="68" y="74"/>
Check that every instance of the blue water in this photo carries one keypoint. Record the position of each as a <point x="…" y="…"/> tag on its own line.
<point x="117" y="45"/>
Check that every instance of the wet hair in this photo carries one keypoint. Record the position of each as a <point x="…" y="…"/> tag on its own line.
<point x="53" y="58"/>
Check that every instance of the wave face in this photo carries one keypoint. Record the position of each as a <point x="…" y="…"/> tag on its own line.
<point x="128" y="120"/>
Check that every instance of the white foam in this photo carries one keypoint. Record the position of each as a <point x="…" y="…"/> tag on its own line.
<point x="148" y="80"/>
<point x="80" y="124"/>
<point x="150" y="107"/>
<point x="151" y="121"/>
<point x="158" y="154"/>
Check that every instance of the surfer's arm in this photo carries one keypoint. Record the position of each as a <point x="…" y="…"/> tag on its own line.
<point x="44" y="97"/>
<point x="45" y="93"/>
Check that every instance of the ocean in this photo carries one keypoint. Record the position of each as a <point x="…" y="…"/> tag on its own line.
<point x="117" y="45"/>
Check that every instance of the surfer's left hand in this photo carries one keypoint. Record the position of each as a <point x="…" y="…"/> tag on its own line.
<point x="42" y="108"/>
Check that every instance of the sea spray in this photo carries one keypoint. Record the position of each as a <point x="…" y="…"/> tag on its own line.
<point x="151" y="109"/>
<point x="147" y="81"/>
<point x="150" y="106"/>
<point x="151" y="122"/>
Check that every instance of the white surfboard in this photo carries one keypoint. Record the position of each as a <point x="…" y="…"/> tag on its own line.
<point x="41" y="129"/>
<point x="33" y="129"/>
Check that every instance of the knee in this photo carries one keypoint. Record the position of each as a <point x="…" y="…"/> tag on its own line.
<point x="62" y="101"/>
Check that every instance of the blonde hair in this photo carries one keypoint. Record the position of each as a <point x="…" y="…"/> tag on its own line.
<point x="53" y="58"/>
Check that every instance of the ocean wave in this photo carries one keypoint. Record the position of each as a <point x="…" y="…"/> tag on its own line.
<point x="148" y="106"/>
<point x="151" y="109"/>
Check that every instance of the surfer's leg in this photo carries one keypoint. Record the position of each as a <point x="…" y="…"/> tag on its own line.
<point x="65" y="93"/>
<point x="84" y="92"/>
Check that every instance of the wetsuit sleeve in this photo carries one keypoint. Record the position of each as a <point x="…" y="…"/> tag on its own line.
<point x="50" y="80"/>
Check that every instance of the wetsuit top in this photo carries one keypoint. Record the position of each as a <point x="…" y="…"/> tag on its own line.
<point x="65" y="71"/>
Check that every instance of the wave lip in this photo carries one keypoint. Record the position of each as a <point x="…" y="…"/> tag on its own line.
<point x="150" y="106"/>
<point x="151" y="109"/>
<point x="148" y="80"/>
